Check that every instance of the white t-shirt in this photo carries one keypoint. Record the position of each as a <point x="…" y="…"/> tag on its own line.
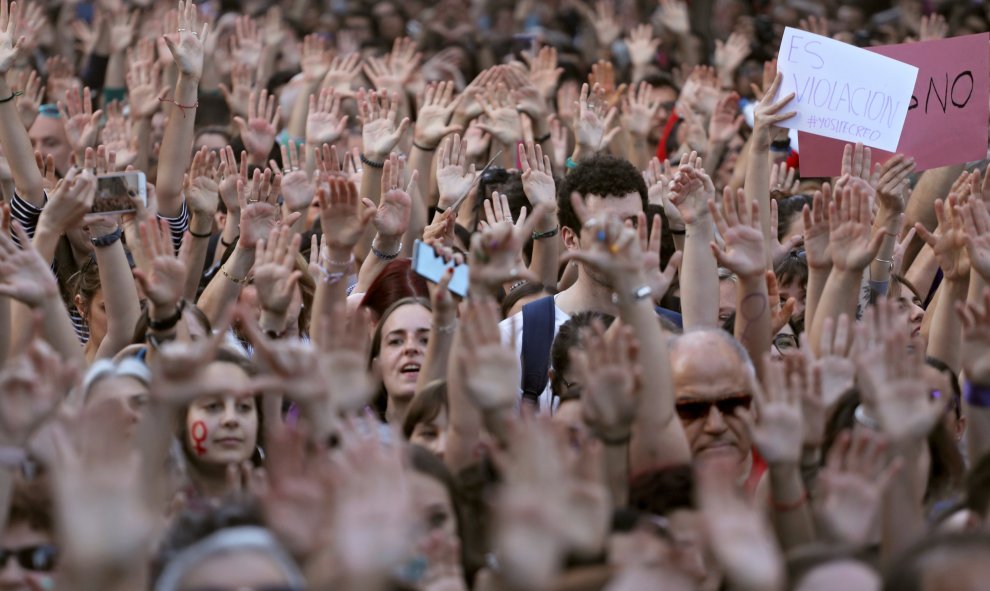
<point x="512" y="334"/>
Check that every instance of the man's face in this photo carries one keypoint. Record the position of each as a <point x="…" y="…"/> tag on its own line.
<point x="711" y="384"/>
<point x="666" y="96"/>
<point x="48" y="137"/>
<point x="627" y="207"/>
<point x="36" y="573"/>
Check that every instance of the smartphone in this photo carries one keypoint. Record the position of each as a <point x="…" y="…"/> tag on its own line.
<point x="115" y="192"/>
<point x="431" y="266"/>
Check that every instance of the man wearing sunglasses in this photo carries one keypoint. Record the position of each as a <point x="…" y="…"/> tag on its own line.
<point x="713" y="377"/>
<point x="28" y="556"/>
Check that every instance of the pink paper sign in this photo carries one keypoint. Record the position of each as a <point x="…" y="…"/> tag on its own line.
<point x="947" y="118"/>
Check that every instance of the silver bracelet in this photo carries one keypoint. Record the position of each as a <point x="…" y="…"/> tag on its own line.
<point x="382" y="255"/>
<point x="640" y="293"/>
<point x="446" y="329"/>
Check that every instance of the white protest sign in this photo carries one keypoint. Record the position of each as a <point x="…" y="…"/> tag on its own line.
<point x="844" y="92"/>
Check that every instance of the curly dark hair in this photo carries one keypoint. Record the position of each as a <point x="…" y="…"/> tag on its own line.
<point x="602" y="175"/>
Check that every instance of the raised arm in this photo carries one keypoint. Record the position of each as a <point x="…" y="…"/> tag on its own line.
<point x="186" y="47"/>
<point x="657" y="435"/>
<point x="690" y="191"/>
<point x="538" y="185"/>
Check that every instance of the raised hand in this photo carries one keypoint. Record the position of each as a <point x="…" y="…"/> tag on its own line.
<point x="933" y="28"/>
<point x="642" y="45"/>
<point x="495" y="252"/>
<point x="275" y="274"/>
<point x="976" y="339"/>
<point x="186" y="45"/>
<point x="603" y="74"/>
<point x="853" y="243"/>
<point x="976" y="230"/>
<point x="816" y="229"/>
<point x="31" y="386"/>
<point x="12" y="40"/>
<point x="202" y="184"/>
<point x="594" y="118"/>
<point x="144" y="87"/>
<point x="543" y="71"/>
<point x="784" y="181"/>
<point x="893" y="186"/>
<point x="381" y="131"/>
<point x="343" y="217"/>
<point x="258" y="205"/>
<point x="779" y="249"/>
<point x="342" y="74"/>
<point x="315" y="59"/>
<point x="230" y="175"/>
<point x="658" y="279"/>
<point x="24" y="275"/>
<point x="81" y="123"/>
<point x="258" y="131"/>
<point x="246" y="44"/>
<point x="674" y="16"/>
<point x="768" y="114"/>
<point x="949" y="243"/>
<point x="123" y="29"/>
<point x="28" y="103"/>
<point x="503" y="120"/>
<point x="324" y="123"/>
<point x="298" y="189"/>
<point x="490" y="369"/>
<point x="855" y="476"/>
<point x="638" y="110"/>
<point x="889" y="364"/>
<point x="454" y="181"/>
<point x="740" y="536"/>
<point x="70" y="200"/>
<point x="537" y="178"/>
<point x="778" y="431"/>
<point x="726" y="120"/>
<point x="615" y="251"/>
<point x="118" y="137"/>
<point x="239" y="95"/>
<point x="395" y="205"/>
<point x="730" y="55"/>
<point x="165" y="282"/>
<point x="61" y="77"/>
<point x="609" y="371"/>
<point x="690" y="190"/>
<point x="436" y="107"/>
<point x="837" y="368"/>
<point x="744" y="250"/>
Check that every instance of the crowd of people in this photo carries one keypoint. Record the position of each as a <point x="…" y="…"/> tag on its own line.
<point x="477" y="294"/>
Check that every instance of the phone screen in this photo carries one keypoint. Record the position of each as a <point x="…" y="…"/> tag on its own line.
<point x="115" y="192"/>
<point x="430" y="266"/>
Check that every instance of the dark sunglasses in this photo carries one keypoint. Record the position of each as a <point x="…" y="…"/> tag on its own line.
<point x="693" y="410"/>
<point x="39" y="558"/>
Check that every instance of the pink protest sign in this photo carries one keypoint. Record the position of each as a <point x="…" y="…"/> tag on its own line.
<point x="947" y="117"/>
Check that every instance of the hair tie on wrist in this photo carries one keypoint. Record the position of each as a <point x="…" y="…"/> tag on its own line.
<point x="12" y="96"/>
<point x="206" y="235"/>
<point x="424" y="148"/>
<point x="541" y="139"/>
<point x="371" y="163"/>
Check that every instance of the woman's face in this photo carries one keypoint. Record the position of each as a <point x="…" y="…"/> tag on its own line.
<point x="236" y="569"/>
<point x="405" y="334"/>
<point x="95" y="314"/>
<point x="222" y="428"/>
<point x="432" y="505"/>
<point x="37" y="574"/>
<point x="129" y="390"/>
<point x="432" y="434"/>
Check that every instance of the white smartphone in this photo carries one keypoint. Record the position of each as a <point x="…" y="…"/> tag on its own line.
<point x="431" y="266"/>
<point x="115" y="192"/>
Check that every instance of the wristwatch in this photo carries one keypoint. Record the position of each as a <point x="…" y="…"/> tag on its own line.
<point x="107" y="239"/>
<point x="640" y="293"/>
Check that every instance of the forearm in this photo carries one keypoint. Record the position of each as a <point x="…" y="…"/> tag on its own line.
<point x="300" y="111"/>
<point x="757" y="185"/>
<point x="545" y="260"/>
<point x="838" y="297"/>
<point x="933" y="184"/>
<point x="202" y="225"/>
<point x="657" y="435"/>
<point x="176" y="150"/>
<point x="637" y="150"/>
<point x="945" y="336"/>
<point x="56" y="327"/>
<point x="977" y="426"/>
<point x="753" y="321"/>
<point x="226" y="285"/>
<point x="790" y="511"/>
<point x="699" y="278"/>
<point x="465" y="423"/>
<point x="617" y="473"/>
<point x="18" y="151"/>
<point x="817" y="277"/>
<point x="371" y="188"/>
<point x="902" y="520"/>
<point x="142" y="129"/>
<point x="438" y="350"/>
<point x="115" y="72"/>
<point x="123" y="308"/>
<point x="921" y="274"/>
<point x="329" y="294"/>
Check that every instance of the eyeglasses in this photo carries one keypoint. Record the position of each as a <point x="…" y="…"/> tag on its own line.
<point x="40" y="558"/>
<point x="693" y="410"/>
<point x="785" y="342"/>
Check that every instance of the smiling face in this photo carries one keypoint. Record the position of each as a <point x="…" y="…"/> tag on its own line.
<point x="223" y="428"/>
<point x="405" y="334"/>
